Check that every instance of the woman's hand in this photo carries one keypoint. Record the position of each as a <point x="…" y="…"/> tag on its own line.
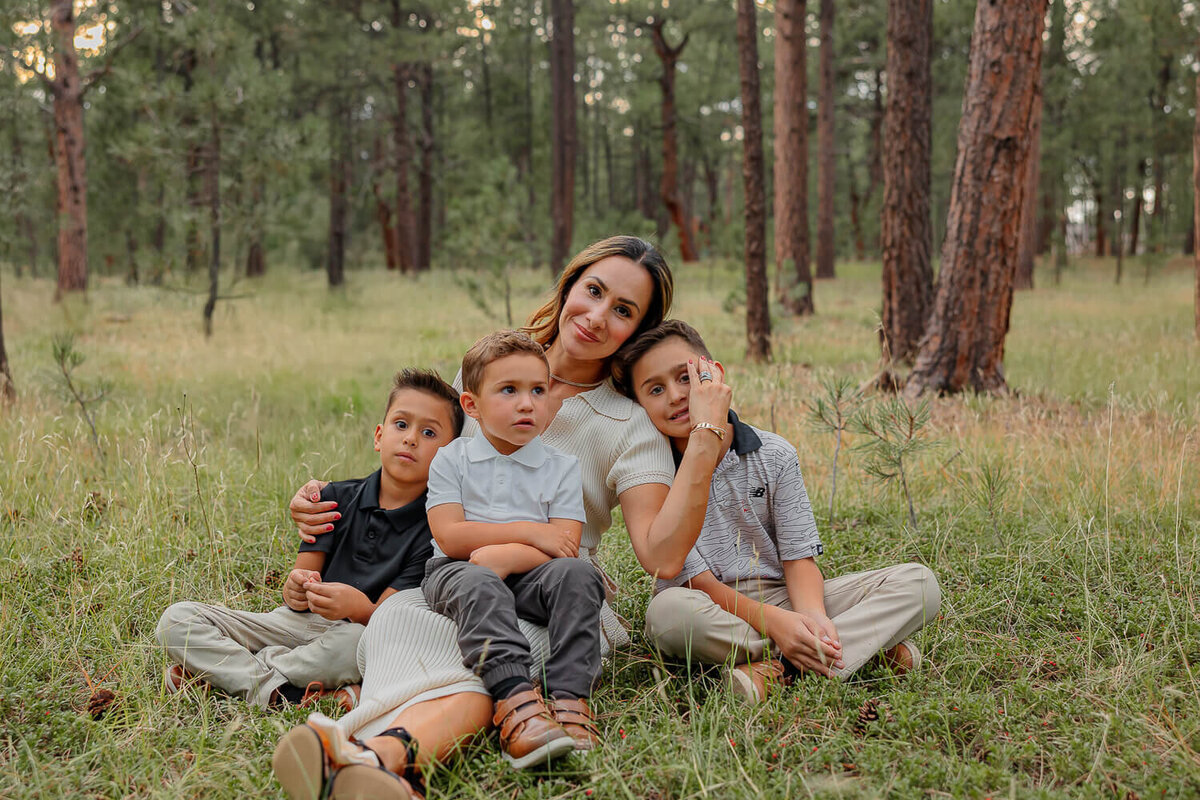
<point x="312" y="517"/>
<point x="708" y="400"/>
<point x="807" y="639"/>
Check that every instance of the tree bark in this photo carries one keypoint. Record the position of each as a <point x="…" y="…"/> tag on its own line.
<point x="339" y="165"/>
<point x="793" y="273"/>
<point x="406" y="226"/>
<point x="66" y="88"/>
<point x="963" y="345"/>
<point x="383" y="211"/>
<point x="8" y="389"/>
<point x="1196" y="201"/>
<point x="669" y="184"/>
<point x="425" y="180"/>
<point x="906" y="228"/>
<point x="826" y="159"/>
<point x="256" y="257"/>
<point x="758" y="318"/>
<point x="1101" y="227"/>
<point x="212" y="180"/>
<point x="562" y="130"/>
<point x="1139" y="199"/>
<point x="1027" y="249"/>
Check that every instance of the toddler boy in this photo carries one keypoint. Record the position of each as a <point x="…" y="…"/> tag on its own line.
<point x="750" y="588"/>
<point x="378" y="546"/>
<point x="506" y="512"/>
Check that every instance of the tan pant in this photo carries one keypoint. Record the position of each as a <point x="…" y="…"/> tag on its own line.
<point x="872" y="610"/>
<point x="249" y="655"/>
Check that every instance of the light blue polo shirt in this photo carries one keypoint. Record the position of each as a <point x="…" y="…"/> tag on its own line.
<point x="535" y="484"/>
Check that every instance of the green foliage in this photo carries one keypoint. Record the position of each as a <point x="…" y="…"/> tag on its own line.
<point x="895" y="433"/>
<point x="833" y="411"/>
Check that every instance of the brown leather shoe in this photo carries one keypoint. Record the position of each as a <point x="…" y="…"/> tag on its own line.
<point x="176" y="678"/>
<point x="756" y="680"/>
<point x="576" y="719"/>
<point x="904" y="657"/>
<point x="528" y="733"/>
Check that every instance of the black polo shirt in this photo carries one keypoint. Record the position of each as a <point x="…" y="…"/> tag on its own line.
<point x="371" y="548"/>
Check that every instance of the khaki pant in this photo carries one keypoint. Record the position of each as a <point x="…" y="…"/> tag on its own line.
<point x="249" y="655"/>
<point x="872" y="610"/>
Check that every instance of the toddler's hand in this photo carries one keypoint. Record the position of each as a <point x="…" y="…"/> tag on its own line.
<point x="558" y="543"/>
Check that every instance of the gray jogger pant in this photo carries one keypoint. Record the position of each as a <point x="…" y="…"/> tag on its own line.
<point x="564" y="594"/>
<point x="249" y="654"/>
<point x="872" y="610"/>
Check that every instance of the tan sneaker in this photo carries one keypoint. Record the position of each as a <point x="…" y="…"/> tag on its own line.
<point x="754" y="681"/>
<point x="904" y="657"/>
<point x="576" y="719"/>
<point x="528" y="733"/>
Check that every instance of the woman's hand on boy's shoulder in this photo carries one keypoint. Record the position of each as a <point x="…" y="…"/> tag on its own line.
<point x="312" y="516"/>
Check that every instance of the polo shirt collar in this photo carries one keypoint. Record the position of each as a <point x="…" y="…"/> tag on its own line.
<point x="532" y="455"/>
<point x="606" y="400"/>
<point x="745" y="440"/>
<point x="401" y="518"/>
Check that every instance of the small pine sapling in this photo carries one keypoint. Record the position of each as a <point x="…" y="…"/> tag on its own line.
<point x="832" y="412"/>
<point x="895" y="432"/>
<point x="68" y="360"/>
<point x="989" y="489"/>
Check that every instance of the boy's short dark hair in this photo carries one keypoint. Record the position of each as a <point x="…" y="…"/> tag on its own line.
<point x="629" y="355"/>
<point x="428" y="381"/>
<point x="494" y="347"/>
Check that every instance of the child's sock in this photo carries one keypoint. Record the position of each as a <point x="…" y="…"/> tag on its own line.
<point x="789" y="669"/>
<point x="290" y="694"/>
<point x="510" y="686"/>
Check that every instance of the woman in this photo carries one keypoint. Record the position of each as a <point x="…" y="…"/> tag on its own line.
<point x="418" y="701"/>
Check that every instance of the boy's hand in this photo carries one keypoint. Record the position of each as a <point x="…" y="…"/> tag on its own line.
<point x="708" y="400"/>
<point x="508" y="559"/>
<point x="336" y="601"/>
<point x="557" y="542"/>
<point x="294" y="595"/>
<point x="312" y="517"/>
<point x="807" y="639"/>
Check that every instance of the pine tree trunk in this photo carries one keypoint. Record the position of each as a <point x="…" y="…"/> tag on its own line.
<point x="335" y="264"/>
<point x="562" y="130"/>
<point x="1027" y="249"/>
<point x="826" y="158"/>
<point x="8" y="389"/>
<point x="906" y="228"/>
<point x="383" y="211"/>
<point x="758" y="319"/>
<point x="1196" y="202"/>
<point x="860" y="244"/>
<point x="212" y="181"/>
<point x="425" y="181"/>
<point x="406" y="226"/>
<point x="1101" y="228"/>
<point x="963" y="346"/>
<point x="256" y="257"/>
<point x="69" y="156"/>
<point x="1139" y="198"/>
<point x="793" y="272"/>
<point x="669" y="184"/>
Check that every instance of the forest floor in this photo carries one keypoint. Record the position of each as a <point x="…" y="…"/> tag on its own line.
<point x="1062" y="522"/>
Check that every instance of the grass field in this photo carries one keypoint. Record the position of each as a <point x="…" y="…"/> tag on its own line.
<point x="1062" y="523"/>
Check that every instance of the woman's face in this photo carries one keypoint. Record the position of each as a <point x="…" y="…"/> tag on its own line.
<point x="604" y="308"/>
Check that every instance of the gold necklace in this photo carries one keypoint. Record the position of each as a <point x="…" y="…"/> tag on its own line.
<point x="554" y="377"/>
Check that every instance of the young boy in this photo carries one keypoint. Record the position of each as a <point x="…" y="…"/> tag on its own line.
<point x="378" y="546"/>
<point x="750" y="588"/>
<point x="506" y="512"/>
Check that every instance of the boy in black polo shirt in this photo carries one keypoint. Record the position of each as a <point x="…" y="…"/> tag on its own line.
<point x="378" y="546"/>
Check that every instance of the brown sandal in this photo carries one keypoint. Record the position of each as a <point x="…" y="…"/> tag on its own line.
<point x="576" y="719"/>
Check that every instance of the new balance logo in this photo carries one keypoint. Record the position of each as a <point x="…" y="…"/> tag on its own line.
<point x="758" y="491"/>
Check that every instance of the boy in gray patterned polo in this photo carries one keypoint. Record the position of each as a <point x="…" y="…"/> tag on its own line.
<point x="750" y="594"/>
